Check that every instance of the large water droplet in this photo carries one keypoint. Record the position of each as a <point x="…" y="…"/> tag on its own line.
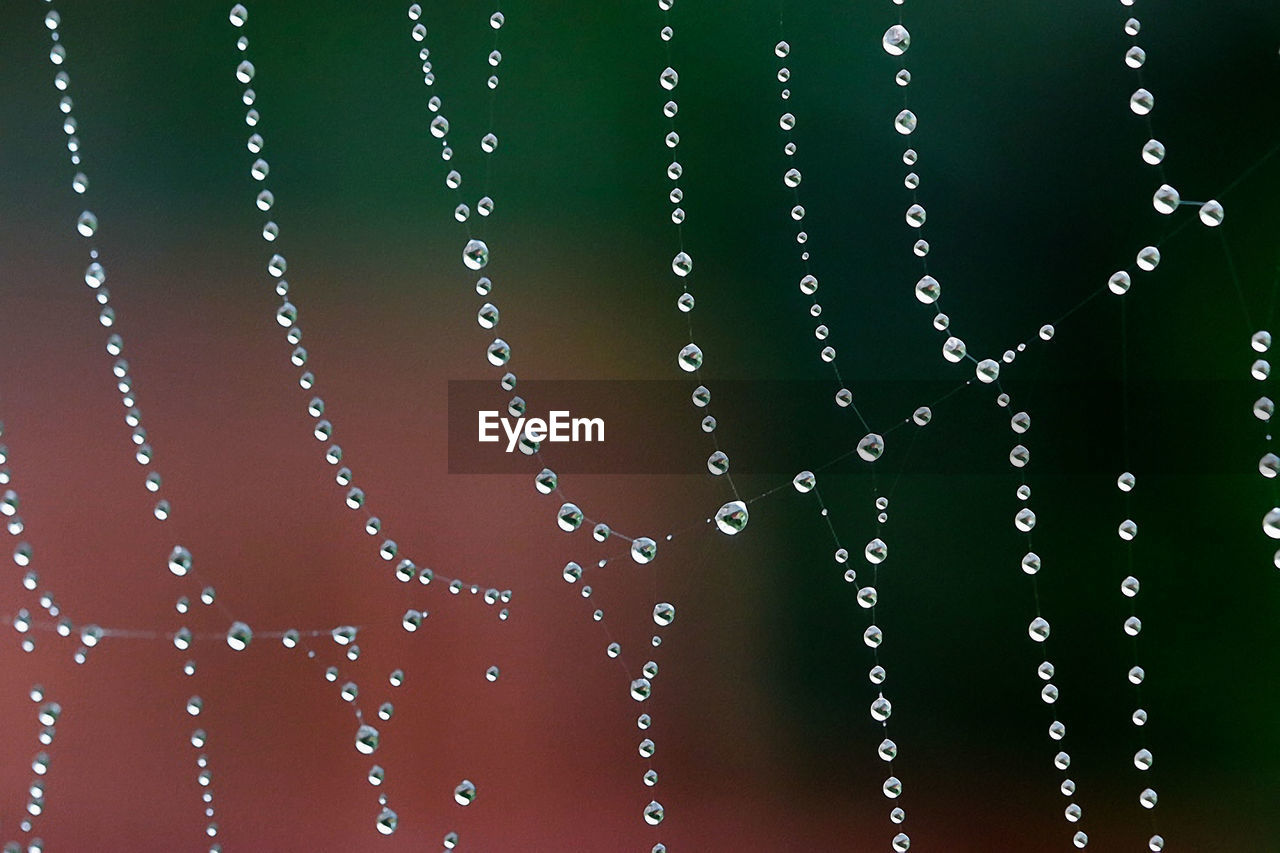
<point x="690" y="358"/>
<point x="896" y="40"/>
<point x="870" y="447"/>
<point x="682" y="264"/>
<point x="732" y="517"/>
<point x="367" y="739"/>
<point x="239" y="635"/>
<point x="475" y="254"/>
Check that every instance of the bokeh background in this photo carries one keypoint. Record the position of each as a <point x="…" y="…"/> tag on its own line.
<point x="1035" y="192"/>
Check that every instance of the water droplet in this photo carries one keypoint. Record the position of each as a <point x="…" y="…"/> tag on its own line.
<point x="387" y="820"/>
<point x="905" y="122"/>
<point x="1211" y="213"/>
<point x="870" y="447"/>
<point x="690" y="358"/>
<point x="1142" y="102"/>
<point x="896" y="40"/>
<point x="87" y="224"/>
<point x="569" y="517"/>
<point x="664" y="613"/>
<point x="475" y="254"/>
<point x="367" y="739"/>
<point x="682" y="264"/>
<point x="1166" y="199"/>
<point x="641" y="688"/>
<point x="498" y="352"/>
<point x="643" y="549"/>
<point x="180" y="560"/>
<point x="1153" y="152"/>
<point x="928" y="290"/>
<point x="239" y="14"/>
<point x="465" y="793"/>
<point x="239" y="635"/>
<point x="732" y="517"/>
<point x="653" y="813"/>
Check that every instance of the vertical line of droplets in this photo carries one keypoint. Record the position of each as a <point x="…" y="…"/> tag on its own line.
<point x="1165" y="200"/>
<point x="367" y="738"/>
<point x="179" y="560"/>
<point x="869" y="449"/>
<point x="475" y="257"/>
<point x="896" y="41"/>
<point x="47" y="712"/>
<point x="732" y="517"/>
<point x="1039" y="629"/>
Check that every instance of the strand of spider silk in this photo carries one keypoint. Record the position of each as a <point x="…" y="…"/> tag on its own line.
<point x="791" y="179"/>
<point x="1129" y="587"/>
<point x="690" y="358"/>
<point x="95" y="278"/>
<point x="1047" y="330"/>
<point x="875" y="553"/>
<point x="287" y="317"/>
<point x="1166" y="199"/>
<point x="569" y="517"/>
<point x="476" y="252"/>
<point x="640" y="687"/>
<point x="1039" y="628"/>
<point x="1263" y="407"/>
<point x="48" y="712"/>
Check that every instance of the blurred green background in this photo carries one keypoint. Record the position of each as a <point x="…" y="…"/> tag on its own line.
<point x="1030" y="171"/>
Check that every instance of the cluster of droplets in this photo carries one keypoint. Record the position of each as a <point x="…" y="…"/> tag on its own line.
<point x="642" y="551"/>
<point x="875" y="553"/>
